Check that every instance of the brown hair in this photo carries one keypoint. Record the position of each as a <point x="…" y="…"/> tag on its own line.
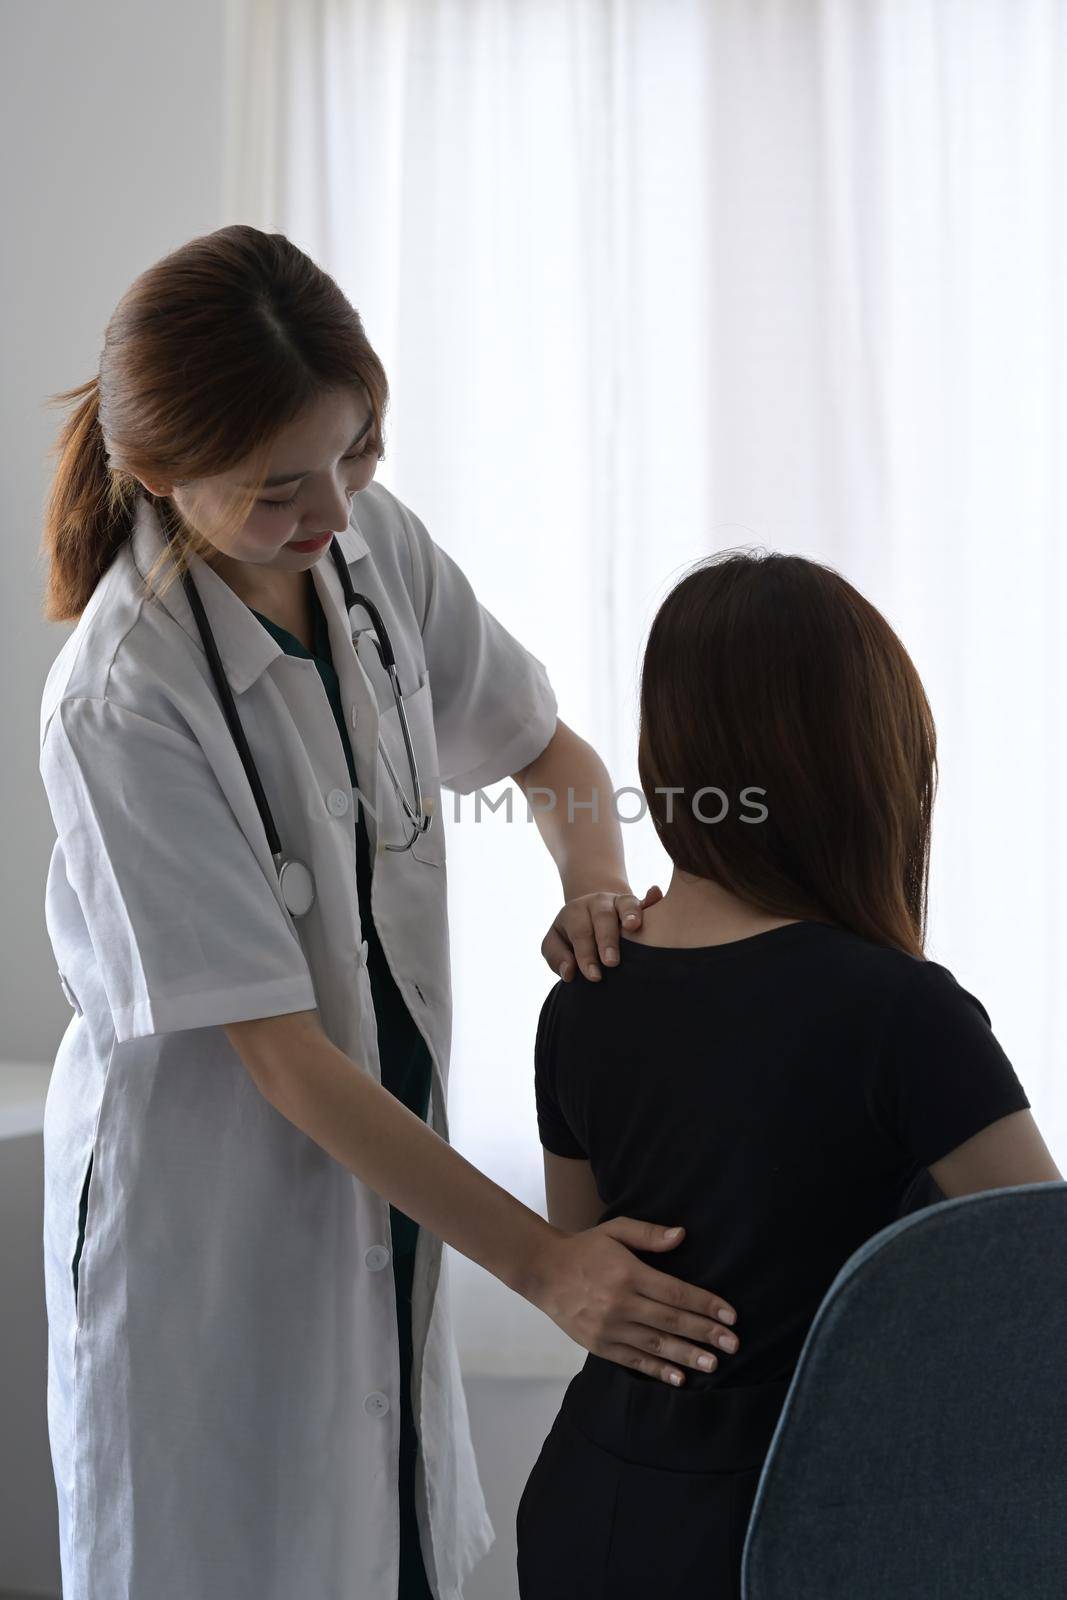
<point x="771" y="673"/>
<point x="207" y="356"/>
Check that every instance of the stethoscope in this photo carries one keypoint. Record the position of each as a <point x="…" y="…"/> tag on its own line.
<point x="294" y="877"/>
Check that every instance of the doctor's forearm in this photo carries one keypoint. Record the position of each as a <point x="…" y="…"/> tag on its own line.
<point x="585" y="844"/>
<point x="361" y="1124"/>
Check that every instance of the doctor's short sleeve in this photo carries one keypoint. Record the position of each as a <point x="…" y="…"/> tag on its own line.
<point x="494" y="707"/>
<point x="185" y="928"/>
<point x="941" y="1075"/>
<point x="553" y="1129"/>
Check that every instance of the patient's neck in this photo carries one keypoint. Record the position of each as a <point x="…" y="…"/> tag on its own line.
<point x="696" y="911"/>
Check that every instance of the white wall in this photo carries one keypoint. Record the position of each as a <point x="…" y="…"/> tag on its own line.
<point x="112" y="124"/>
<point x="111" y="116"/>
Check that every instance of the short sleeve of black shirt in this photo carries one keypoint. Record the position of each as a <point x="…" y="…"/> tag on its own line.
<point x="555" y="1135"/>
<point x="941" y="1075"/>
<point x="938" y="1076"/>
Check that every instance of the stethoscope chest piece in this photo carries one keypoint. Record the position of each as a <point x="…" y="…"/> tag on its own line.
<point x="297" y="886"/>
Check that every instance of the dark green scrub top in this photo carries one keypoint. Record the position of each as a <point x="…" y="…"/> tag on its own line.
<point x="406" y="1072"/>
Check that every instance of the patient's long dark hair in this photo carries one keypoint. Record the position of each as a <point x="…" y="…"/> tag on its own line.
<point x="770" y="673"/>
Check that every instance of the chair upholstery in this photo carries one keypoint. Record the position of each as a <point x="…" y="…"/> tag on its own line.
<point x="922" y="1447"/>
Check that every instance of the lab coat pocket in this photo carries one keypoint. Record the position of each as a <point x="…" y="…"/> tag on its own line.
<point x="83" y="1217"/>
<point x="394" y="825"/>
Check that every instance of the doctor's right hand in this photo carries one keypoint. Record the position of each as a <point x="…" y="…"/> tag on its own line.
<point x="596" y="1290"/>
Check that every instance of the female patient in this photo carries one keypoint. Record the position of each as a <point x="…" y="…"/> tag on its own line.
<point x="772" y="1061"/>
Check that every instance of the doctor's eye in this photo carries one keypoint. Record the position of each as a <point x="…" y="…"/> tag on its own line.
<point x="359" y="455"/>
<point x="369" y="449"/>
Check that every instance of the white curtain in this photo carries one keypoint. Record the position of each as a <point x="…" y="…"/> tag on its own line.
<point x="651" y="278"/>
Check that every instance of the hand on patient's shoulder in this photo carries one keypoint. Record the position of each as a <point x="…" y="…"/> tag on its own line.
<point x="588" y="928"/>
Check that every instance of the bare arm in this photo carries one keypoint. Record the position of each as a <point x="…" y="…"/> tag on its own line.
<point x="1007" y="1153"/>
<point x="572" y="799"/>
<point x="571" y="1195"/>
<point x="587" y="846"/>
<point x="352" y="1116"/>
<point x="1010" y="1151"/>
<point x="590" y="1283"/>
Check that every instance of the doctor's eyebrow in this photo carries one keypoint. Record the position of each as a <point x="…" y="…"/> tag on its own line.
<point x="291" y="477"/>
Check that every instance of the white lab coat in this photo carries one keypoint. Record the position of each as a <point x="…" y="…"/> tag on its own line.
<point x="223" y="1399"/>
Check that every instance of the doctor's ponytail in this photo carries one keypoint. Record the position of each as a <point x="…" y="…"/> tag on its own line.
<point x="209" y="354"/>
<point x="90" y="510"/>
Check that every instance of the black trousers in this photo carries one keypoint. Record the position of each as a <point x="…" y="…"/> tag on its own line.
<point x="642" y="1490"/>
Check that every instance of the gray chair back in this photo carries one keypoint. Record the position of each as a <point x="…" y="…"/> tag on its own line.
<point x="922" y="1447"/>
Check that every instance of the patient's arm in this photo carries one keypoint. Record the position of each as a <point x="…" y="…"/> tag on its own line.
<point x="573" y="1201"/>
<point x="1010" y="1151"/>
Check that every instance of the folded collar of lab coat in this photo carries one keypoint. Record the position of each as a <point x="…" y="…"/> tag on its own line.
<point x="244" y="645"/>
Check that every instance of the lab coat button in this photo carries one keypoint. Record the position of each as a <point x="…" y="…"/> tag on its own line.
<point x="338" y="802"/>
<point x="377" y="1257"/>
<point x="376" y="1404"/>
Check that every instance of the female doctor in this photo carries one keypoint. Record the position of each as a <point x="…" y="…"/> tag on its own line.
<point x="253" y="1389"/>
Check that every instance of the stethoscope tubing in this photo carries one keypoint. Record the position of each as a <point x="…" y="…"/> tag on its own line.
<point x="304" y="898"/>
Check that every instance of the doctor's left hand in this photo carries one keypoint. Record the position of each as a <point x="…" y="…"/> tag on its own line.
<point x="587" y="929"/>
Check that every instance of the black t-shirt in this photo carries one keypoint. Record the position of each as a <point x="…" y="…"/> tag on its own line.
<point x="777" y="1096"/>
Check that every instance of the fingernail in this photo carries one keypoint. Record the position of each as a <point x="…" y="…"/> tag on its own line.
<point x="611" y="954"/>
<point x="591" y="971"/>
<point x="631" y="916"/>
<point x="728" y="1316"/>
<point x="671" y="1233"/>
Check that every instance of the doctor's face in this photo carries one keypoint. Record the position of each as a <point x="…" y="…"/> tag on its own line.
<point x="318" y="463"/>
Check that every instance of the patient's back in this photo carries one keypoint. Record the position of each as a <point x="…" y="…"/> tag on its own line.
<point x="777" y="1095"/>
